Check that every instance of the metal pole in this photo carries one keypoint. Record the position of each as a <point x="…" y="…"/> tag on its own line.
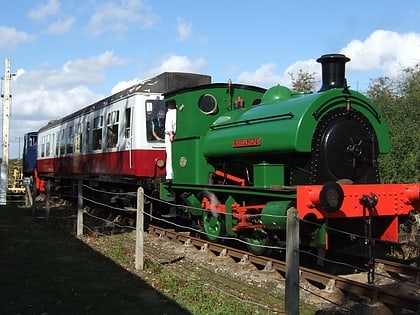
<point x="6" y="118"/>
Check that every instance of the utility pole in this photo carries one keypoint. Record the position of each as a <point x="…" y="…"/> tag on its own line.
<point x="6" y="119"/>
<point x="19" y="139"/>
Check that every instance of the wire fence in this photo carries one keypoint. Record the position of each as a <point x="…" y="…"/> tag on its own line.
<point x="98" y="225"/>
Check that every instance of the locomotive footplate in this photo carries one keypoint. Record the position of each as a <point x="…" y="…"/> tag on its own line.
<point x="389" y="203"/>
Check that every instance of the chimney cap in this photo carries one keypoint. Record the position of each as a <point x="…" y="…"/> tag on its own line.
<point x="332" y="58"/>
<point x="333" y="71"/>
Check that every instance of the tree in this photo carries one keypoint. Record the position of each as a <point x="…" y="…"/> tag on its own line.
<point x="409" y="85"/>
<point x="381" y="89"/>
<point x="399" y="101"/>
<point x="305" y="81"/>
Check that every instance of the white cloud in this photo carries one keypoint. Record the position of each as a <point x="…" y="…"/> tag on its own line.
<point x="44" y="10"/>
<point x="32" y="108"/>
<point x="171" y="63"/>
<point x="95" y="63"/>
<point x="115" y="18"/>
<point x="61" y="26"/>
<point x="47" y="104"/>
<point x="41" y="95"/>
<point x="10" y="37"/>
<point x="383" y="50"/>
<point x="122" y="85"/>
<point x="184" y="29"/>
<point x="181" y="64"/>
<point x="264" y="75"/>
<point x="50" y="94"/>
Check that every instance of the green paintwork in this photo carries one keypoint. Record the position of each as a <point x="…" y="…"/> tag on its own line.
<point x="268" y="175"/>
<point x="166" y="194"/>
<point x="283" y="125"/>
<point x="213" y="225"/>
<point x="273" y="215"/>
<point x="287" y="126"/>
<point x="193" y="205"/>
<point x="319" y="237"/>
<point x="189" y="164"/>
<point x="257" y="240"/>
<point x="287" y="193"/>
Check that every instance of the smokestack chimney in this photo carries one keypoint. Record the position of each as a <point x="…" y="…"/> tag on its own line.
<point x="333" y="71"/>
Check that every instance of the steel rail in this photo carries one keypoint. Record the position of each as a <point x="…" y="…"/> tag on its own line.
<point x="373" y="292"/>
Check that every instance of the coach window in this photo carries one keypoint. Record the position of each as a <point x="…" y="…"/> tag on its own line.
<point x="112" y="129"/>
<point x="62" y="142"/>
<point x="87" y="133"/>
<point x="97" y="133"/>
<point x="48" y="146"/>
<point x="70" y="140"/>
<point x="153" y="108"/>
<point x="57" y="145"/>
<point x="32" y="140"/>
<point x="43" y="146"/>
<point x="78" y="139"/>
<point x="52" y="144"/>
<point x="150" y="106"/>
<point x="128" y="122"/>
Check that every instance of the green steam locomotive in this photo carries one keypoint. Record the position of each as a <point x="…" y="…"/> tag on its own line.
<point x="242" y="156"/>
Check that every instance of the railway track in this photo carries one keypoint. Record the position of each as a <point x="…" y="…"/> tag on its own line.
<point x="385" y="294"/>
<point x="400" y="269"/>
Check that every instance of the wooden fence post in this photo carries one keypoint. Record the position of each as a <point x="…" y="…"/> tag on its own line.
<point x="28" y="196"/>
<point x="33" y="197"/>
<point x="79" y="208"/>
<point x="47" y="205"/>
<point x="139" y="229"/>
<point x="292" y="263"/>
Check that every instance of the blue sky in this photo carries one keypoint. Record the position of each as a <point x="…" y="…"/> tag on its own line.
<point x="69" y="54"/>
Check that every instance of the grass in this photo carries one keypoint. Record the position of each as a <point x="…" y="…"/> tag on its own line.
<point x="46" y="271"/>
<point x="199" y="290"/>
<point x="191" y="288"/>
<point x="198" y="296"/>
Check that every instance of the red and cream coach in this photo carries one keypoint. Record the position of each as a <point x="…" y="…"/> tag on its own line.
<point x="110" y="143"/>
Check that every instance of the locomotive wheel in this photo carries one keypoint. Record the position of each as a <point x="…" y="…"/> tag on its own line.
<point x="256" y="242"/>
<point x="214" y="226"/>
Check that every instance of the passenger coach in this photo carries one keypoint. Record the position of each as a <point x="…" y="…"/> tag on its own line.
<point x="111" y="140"/>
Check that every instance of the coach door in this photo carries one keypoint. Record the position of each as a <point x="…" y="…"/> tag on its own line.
<point x="128" y="120"/>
